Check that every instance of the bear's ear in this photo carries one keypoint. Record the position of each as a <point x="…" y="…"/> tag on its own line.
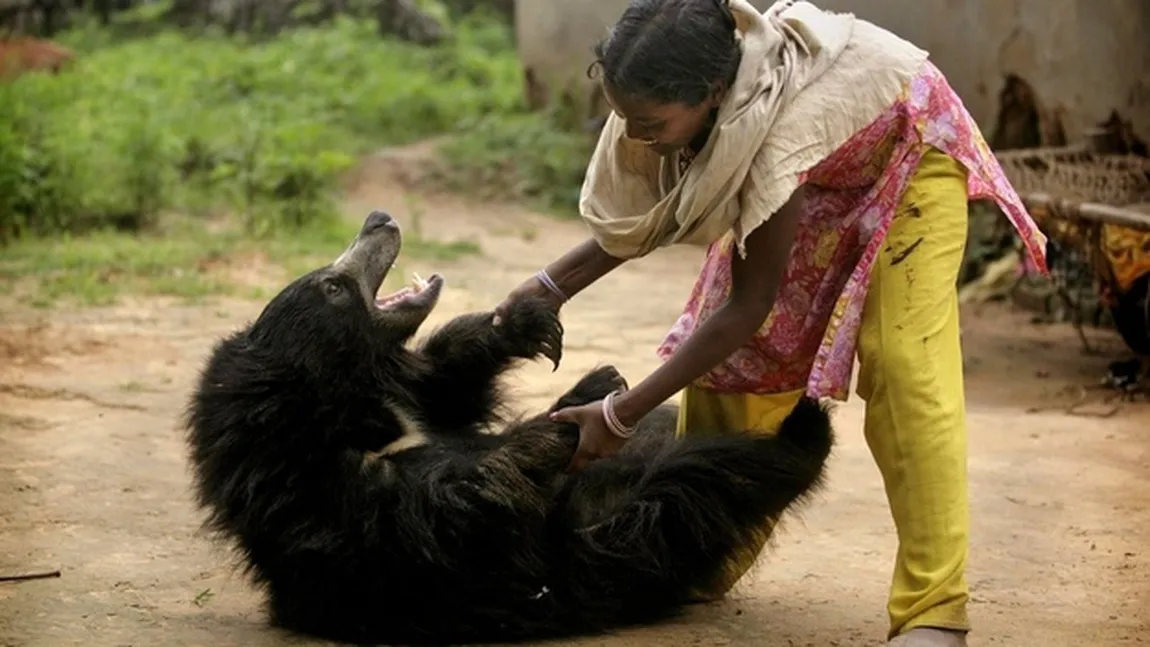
<point x="292" y="321"/>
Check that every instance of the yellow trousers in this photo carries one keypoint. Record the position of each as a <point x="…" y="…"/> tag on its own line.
<point x="910" y="376"/>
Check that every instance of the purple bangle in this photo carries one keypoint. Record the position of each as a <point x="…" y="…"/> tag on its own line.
<point x="551" y="286"/>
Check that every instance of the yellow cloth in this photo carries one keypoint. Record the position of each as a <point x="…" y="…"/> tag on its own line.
<point x="911" y="379"/>
<point x="807" y="82"/>
<point x="1128" y="253"/>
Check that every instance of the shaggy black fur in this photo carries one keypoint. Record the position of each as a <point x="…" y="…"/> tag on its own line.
<point x="355" y="479"/>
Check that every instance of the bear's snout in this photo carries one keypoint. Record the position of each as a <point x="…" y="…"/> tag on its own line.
<point x="377" y="220"/>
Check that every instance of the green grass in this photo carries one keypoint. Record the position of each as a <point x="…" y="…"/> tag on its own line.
<point x="94" y="269"/>
<point x="185" y="260"/>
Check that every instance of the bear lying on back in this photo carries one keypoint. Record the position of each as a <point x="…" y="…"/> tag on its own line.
<point x="356" y="479"/>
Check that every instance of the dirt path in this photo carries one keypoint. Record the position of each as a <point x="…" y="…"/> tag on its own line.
<point x="93" y="479"/>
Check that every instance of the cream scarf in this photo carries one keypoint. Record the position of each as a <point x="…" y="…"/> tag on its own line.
<point x="807" y="82"/>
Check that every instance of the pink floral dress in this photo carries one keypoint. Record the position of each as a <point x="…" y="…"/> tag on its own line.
<point x="852" y="196"/>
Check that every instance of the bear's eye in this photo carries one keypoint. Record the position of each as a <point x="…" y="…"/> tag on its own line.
<point x="332" y="288"/>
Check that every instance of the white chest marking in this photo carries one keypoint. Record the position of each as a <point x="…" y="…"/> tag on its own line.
<point x="411" y="429"/>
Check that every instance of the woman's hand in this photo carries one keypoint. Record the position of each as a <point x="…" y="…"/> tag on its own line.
<point x="532" y="287"/>
<point x="595" y="438"/>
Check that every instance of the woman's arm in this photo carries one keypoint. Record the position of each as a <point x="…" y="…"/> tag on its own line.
<point x="571" y="273"/>
<point x="582" y="266"/>
<point x="755" y="284"/>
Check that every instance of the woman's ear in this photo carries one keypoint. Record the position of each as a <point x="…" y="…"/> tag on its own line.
<point x="718" y="93"/>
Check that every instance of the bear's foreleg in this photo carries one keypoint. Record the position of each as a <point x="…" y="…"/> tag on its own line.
<point x="467" y="355"/>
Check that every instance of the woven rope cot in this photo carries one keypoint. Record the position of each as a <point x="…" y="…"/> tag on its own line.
<point x="1079" y="197"/>
<point x="1074" y="183"/>
<point x="1098" y="205"/>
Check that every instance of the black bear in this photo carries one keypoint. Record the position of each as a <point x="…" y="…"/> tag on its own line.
<point x="374" y="497"/>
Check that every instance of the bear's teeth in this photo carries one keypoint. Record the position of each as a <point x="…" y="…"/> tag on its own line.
<point x="419" y="282"/>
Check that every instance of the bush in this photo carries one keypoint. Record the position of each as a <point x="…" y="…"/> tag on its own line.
<point x="519" y="155"/>
<point x="172" y="123"/>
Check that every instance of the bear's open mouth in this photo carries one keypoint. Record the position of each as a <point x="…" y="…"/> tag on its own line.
<point x="407" y="293"/>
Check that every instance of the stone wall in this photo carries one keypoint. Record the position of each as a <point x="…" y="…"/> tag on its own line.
<point x="1083" y="58"/>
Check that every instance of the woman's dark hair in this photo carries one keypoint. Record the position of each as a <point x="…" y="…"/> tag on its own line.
<point x="670" y="51"/>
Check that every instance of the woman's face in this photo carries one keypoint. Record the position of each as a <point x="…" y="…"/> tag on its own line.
<point x="665" y="127"/>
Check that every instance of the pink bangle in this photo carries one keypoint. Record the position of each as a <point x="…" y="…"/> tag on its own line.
<point x="612" y="420"/>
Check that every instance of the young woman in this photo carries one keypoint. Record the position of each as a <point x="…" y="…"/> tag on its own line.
<point x="827" y="165"/>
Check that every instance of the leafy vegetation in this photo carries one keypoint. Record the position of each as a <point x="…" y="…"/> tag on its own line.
<point x="169" y="122"/>
<point x="510" y="156"/>
<point x="98" y="162"/>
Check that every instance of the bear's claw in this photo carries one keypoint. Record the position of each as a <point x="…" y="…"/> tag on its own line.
<point x="553" y="344"/>
<point x="532" y="329"/>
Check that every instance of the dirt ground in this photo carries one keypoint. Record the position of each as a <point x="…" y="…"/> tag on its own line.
<point x="93" y="478"/>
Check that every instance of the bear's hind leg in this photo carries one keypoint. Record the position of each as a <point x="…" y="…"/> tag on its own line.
<point x="645" y="530"/>
<point x="593" y="386"/>
<point x="540" y="448"/>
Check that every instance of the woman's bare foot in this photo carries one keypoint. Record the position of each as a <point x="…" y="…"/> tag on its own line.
<point x="929" y="637"/>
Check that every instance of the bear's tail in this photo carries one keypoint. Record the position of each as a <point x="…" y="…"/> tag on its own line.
<point x="655" y="526"/>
